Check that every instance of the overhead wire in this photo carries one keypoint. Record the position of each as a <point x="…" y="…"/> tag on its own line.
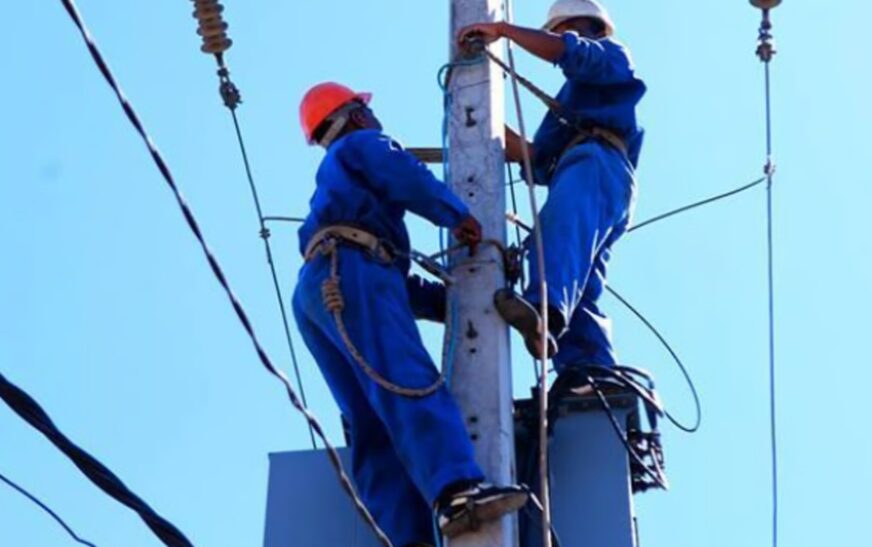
<point x="696" y="204"/>
<point x="31" y="412"/>
<point x="47" y="509"/>
<point x="219" y="274"/>
<point x="265" y="235"/>
<point x="213" y="30"/>
<point x="765" y="52"/>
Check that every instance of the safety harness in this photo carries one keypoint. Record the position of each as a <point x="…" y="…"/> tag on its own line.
<point x="326" y="242"/>
<point x="582" y="131"/>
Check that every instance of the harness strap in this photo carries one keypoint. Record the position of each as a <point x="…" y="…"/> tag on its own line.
<point x="601" y="133"/>
<point x="348" y="234"/>
<point x="583" y="133"/>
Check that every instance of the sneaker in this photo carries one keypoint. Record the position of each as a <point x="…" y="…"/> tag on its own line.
<point x="467" y="510"/>
<point x="524" y="318"/>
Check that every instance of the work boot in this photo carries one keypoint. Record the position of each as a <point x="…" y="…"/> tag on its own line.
<point x="524" y="318"/>
<point x="467" y="509"/>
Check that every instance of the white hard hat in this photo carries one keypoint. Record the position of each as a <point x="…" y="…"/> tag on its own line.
<point x="564" y="10"/>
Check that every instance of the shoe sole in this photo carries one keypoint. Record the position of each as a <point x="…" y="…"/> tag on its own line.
<point x="525" y="319"/>
<point x="485" y="511"/>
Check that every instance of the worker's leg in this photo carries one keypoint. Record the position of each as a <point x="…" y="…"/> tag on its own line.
<point x="588" y="339"/>
<point x="378" y="474"/>
<point x="427" y="434"/>
<point x="576" y="220"/>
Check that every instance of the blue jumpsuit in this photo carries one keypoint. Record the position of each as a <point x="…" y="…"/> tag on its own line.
<point x="404" y="451"/>
<point x="591" y="191"/>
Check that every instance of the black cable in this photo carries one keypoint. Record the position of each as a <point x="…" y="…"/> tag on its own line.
<point x="29" y="410"/>
<point x="264" y="233"/>
<point x="47" y="509"/>
<point x="675" y="357"/>
<point x="658" y="478"/>
<point x="696" y="204"/>
<point x="218" y="272"/>
<point x="538" y="505"/>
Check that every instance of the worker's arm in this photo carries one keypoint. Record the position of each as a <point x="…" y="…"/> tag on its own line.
<point x="602" y="62"/>
<point x="515" y="148"/>
<point x="399" y="177"/>
<point x="427" y="298"/>
<point x="582" y="59"/>
<point x="541" y="43"/>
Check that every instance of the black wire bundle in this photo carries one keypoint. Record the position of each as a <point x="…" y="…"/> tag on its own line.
<point x="29" y="410"/>
<point x="218" y="272"/>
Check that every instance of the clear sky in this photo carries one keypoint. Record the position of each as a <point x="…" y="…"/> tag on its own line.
<point x="111" y="317"/>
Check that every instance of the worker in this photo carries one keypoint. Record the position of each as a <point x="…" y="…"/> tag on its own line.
<point x="411" y="455"/>
<point x="585" y="151"/>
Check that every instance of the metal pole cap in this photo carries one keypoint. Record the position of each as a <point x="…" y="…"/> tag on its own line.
<point x="765" y="4"/>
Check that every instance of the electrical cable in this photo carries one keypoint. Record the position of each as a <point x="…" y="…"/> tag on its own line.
<point x="218" y="272"/>
<point x="47" y="509"/>
<point x="656" y="476"/>
<point x="213" y="30"/>
<point x="31" y="412"/>
<point x="265" y="235"/>
<point x="694" y="205"/>
<point x="765" y="52"/>
<point x="538" y="505"/>
<point x="675" y="357"/>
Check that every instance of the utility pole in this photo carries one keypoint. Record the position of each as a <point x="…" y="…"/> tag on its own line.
<point x="481" y="379"/>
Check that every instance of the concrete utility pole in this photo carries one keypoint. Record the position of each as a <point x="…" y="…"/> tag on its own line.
<point x="481" y="380"/>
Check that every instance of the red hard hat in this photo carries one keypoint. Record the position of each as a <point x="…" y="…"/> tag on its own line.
<point x="323" y="100"/>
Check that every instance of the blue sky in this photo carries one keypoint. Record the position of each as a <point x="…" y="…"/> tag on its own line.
<point x="113" y="321"/>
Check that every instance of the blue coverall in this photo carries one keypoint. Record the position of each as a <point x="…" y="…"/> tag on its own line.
<point x="405" y="451"/>
<point x="591" y="191"/>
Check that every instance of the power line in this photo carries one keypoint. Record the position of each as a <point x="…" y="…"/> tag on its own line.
<point x="696" y="204"/>
<point x="213" y="30"/>
<point x="32" y="413"/>
<point x="265" y="234"/>
<point x="218" y="272"/>
<point x="47" y="509"/>
<point x="766" y="51"/>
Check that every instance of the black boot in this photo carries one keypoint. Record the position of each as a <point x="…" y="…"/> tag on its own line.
<point x="524" y="318"/>
<point x="466" y="510"/>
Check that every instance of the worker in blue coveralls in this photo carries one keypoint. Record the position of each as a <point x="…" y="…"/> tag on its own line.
<point x="586" y="151"/>
<point x="355" y="305"/>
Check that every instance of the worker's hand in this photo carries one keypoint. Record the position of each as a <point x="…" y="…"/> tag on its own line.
<point x="468" y="232"/>
<point x="487" y="32"/>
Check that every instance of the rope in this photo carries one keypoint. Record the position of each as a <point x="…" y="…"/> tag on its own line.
<point x="519" y="242"/>
<point x="218" y="272"/>
<point x="47" y="509"/>
<point x="331" y="293"/>
<point x="543" y="291"/>
<point x="32" y="413"/>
